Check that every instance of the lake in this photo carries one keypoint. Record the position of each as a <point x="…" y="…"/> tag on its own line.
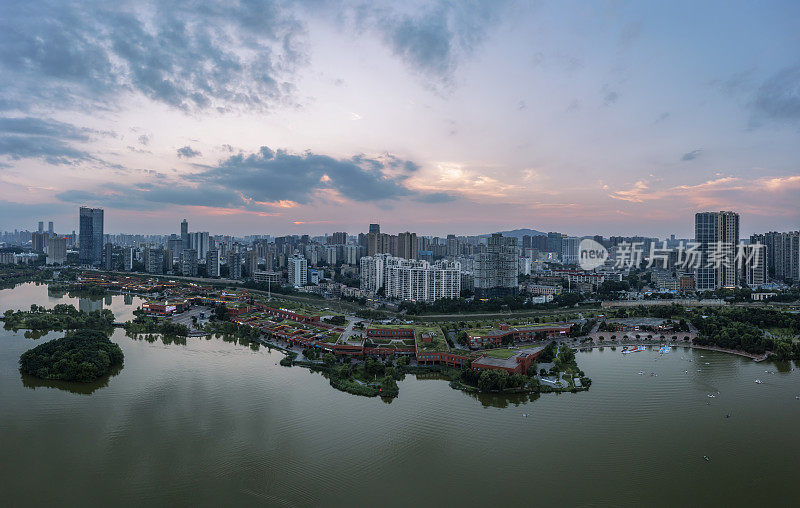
<point x="213" y="423"/>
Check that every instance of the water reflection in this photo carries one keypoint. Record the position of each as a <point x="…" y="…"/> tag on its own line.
<point x="34" y="382"/>
<point x="503" y="400"/>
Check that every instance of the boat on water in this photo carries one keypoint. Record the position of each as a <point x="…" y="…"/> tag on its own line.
<point x="758" y="381"/>
<point x="636" y="349"/>
<point x="711" y="395"/>
<point x="664" y="349"/>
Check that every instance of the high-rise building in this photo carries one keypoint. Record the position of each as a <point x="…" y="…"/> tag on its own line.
<point x="189" y="263"/>
<point x="200" y="243"/>
<point x="407" y="245"/>
<point x="496" y="269"/>
<point x="754" y="264"/>
<point x="154" y="260"/>
<point x="90" y="239"/>
<point x="554" y="243"/>
<point x="782" y="254"/>
<point x="56" y="250"/>
<point x="234" y="265"/>
<point x="375" y="228"/>
<point x="717" y="235"/>
<point x="569" y="250"/>
<point x="127" y="259"/>
<point x="50" y="229"/>
<point x="339" y="238"/>
<point x="185" y="234"/>
<point x="108" y="256"/>
<point x="38" y="241"/>
<point x="297" y="270"/>
<point x="212" y="263"/>
<point x="41" y="226"/>
<point x="251" y="263"/>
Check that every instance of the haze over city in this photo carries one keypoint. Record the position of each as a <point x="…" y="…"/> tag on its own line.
<point x="443" y="117"/>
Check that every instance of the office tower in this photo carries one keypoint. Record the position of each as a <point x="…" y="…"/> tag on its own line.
<point x="50" y="229"/>
<point x="717" y="235"/>
<point x="569" y="250"/>
<point x="185" y="234"/>
<point x="297" y="268"/>
<point x="496" y="269"/>
<point x="56" y="250"/>
<point x="375" y="228"/>
<point x="407" y="245"/>
<point x="41" y="226"/>
<point x="212" y="263"/>
<point x="339" y="238"/>
<point x="189" y="263"/>
<point x="234" y="265"/>
<point x="90" y="239"/>
<point x="108" y="256"/>
<point x="251" y="262"/>
<point x="127" y="259"/>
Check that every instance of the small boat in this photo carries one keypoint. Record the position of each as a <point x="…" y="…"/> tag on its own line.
<point x="728" y="415"/>
<point x="707" y="458"/>
<point x="641" y="373"/>
<point x="758" y="381"/>
<point x="524" y="415"/>
<point x="706" y="363"/>
<point x="711" y="395"/>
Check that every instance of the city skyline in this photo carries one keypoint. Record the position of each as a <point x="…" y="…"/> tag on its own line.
<point x="464" y="118"/>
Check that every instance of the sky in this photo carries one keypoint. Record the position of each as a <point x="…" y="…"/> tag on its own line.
<point x="465" y="117"/>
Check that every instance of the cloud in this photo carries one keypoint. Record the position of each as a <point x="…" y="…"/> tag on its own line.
<point x="47" y="139"/>
<point x="269" y="180"/>
<point x="434" y="38"/>
<point x="689" y="156"/>
<point x="144" y="139"/>
<point x="610" y="97"/>
<point x="187" y="55"/>
<point x="778" y="98"/>
<point x="187" y="152"/>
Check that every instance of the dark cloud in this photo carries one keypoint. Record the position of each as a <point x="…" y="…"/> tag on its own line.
<point x="254" y="181"/>
<point x="268" y="176"/>
<point x="50" y="140"/>
<point x="778" y="98"/>
<point x="144" y="139"/>
<point x="188" y="152"/>
<point x="186" y="54"/>
<point x="689" y="156"/>
<point x="434" y="39"/>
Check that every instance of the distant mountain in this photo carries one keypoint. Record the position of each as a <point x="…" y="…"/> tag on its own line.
<point x="519" y="233"/>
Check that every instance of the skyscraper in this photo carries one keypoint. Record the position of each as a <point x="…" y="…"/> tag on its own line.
<point x="41" y="226"/>
<point x="717" y="234"/>
<point x="50" y="227"/>
<point x="90" y="239"/>
<point x="375" y="228"/>
<point x="185" y="234"/>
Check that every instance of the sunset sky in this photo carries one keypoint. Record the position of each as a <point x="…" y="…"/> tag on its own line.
<point x="458" y="117"/>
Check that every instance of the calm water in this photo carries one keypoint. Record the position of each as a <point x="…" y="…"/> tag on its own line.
<point x="213" y="423"/>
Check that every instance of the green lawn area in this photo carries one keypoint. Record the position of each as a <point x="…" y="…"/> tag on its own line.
<point x="501" y="353"/>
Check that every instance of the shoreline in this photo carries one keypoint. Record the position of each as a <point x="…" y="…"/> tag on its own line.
<point x="756" y="358"/>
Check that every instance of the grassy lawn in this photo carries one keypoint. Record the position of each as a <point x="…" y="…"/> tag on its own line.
<point x="501" y="353"/>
